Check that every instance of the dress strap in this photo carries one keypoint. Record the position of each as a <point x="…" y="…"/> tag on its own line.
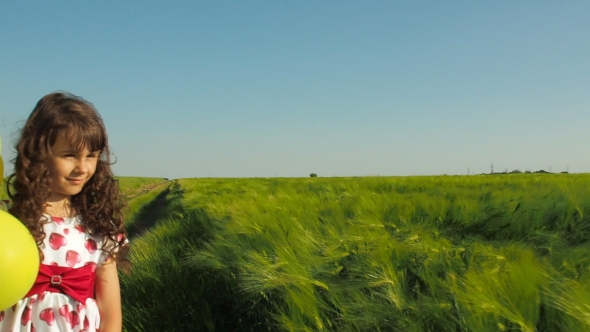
<point x="78" y="283"/>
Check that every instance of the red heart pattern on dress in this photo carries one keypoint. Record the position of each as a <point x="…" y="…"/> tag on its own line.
<point x="26" y="317"/>
<point x="72" y="258"/>
<point x="58" y="220"/>
<point x="91" y="246"/>
<point x="71" y="317"/>
<point x="57" y="241"/>
<point x="63" y="310"/>
<point x="74" y="318"/>
<point x="47" y="316"/>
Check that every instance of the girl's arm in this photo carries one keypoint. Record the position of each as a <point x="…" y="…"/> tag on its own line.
<point x="108" y="297"/>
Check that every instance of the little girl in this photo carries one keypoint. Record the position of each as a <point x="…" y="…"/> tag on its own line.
<point x="64" y="191"/>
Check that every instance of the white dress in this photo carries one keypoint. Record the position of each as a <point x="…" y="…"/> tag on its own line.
<point x="67" y="245"/>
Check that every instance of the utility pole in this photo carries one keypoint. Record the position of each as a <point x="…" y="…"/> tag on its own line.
<point x="467" y="170"/>
<point x="492" y="168"/>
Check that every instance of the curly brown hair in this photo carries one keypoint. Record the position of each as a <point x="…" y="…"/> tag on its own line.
<point x="99" y="202"/>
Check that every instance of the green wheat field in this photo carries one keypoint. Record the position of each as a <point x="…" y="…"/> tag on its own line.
<point x="443" y="253"/>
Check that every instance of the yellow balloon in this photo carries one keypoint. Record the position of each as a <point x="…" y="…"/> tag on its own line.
<point x="19" y="260"/>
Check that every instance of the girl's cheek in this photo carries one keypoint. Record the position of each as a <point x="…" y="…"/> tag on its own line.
<point x="92" y="169"/>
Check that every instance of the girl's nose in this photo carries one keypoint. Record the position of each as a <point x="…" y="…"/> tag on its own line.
<point x="81" y="166"/>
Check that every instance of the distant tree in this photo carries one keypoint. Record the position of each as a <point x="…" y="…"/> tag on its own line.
<point x="313" y="175"/>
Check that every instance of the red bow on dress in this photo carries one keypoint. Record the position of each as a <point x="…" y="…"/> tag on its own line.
<point x="77" y="283"/>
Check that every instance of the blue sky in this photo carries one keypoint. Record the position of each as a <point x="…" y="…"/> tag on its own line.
<point x="287" y="88"/>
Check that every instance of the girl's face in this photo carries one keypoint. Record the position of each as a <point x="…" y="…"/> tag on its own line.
<point x="69" y="169"/>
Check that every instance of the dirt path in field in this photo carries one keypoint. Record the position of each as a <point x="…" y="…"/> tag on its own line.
<point x="142" y="190"/>
<point x="149" y="214"/>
